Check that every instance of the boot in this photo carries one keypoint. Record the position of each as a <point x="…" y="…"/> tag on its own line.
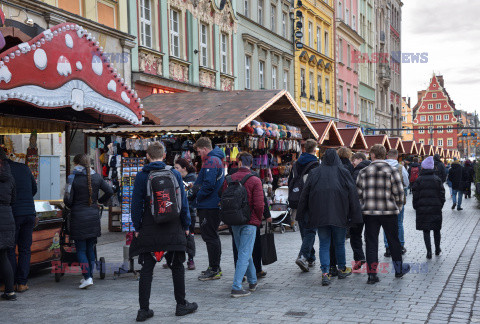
<point x="438" y="250"/>
<point x="372" y="279"/>
<point x="429" y="254"/>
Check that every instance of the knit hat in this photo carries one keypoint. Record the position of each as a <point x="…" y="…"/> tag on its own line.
<point x="428" y="163"/>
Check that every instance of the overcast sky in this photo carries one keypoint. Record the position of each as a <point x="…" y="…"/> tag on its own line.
<point x="449" y="31"/>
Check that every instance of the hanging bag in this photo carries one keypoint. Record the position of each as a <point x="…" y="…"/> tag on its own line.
<point x="267" y="240"/>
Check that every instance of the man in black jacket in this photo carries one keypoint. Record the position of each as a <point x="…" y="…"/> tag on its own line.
<point x="456" y="175"/>
<point x="25" y="216"/>
<point x="439" y="168"/>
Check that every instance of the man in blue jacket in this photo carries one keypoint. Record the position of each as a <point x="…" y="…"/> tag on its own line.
<point x="209" y="181"/>
<point x="25" y="216"/>
<point x="151" y="237"/>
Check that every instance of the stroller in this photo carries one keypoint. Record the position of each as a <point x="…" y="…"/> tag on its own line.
<point x="281" y="213"/>
<point x="68" y="253"/>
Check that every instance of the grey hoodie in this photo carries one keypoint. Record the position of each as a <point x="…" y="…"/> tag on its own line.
<point x="394" y="164"/>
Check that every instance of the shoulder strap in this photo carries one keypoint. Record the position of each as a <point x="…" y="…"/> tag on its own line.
<point x="245" y="178"/>
<point x="229" y="180"/>
<point x="307" y="168"/>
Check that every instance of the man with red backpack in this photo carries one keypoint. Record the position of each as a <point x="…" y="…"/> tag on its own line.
<point x="414" y="172"/>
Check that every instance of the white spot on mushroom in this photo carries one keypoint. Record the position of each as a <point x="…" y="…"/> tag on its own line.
<point x="40" y="59"/>
<point x="97" y="65"/>
<point x="63" y="66"/>
<point x="112" y="85"/>
<point x="125" y="97"/>
<point x="77" y="99"/>
<point x="68" y="40"/>
<point x="5" y="74"/>
<point x="79" y="65"/>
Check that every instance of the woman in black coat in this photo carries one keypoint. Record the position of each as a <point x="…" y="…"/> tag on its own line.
<point x="428" y="199"/>
<point x="81" y="196"/>
<point x="7" y="226"/>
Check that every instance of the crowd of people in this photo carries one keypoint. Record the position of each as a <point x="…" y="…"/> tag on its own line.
<point x="338" y="196"/>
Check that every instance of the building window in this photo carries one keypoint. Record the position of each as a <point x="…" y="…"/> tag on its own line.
<point x="354" y="23"/>
<point x="310" y="34"/>
<point x="285" y="79"/>
<point x="430" y="106"/>
<point x="325" y="48"/>
<point x="340" y="98"/>
<point x="273" y="17"/>
<point x="440" y="129"/>
<point x="438" y="117"/>
<point x="145" y="23"/>
<point x="284" y="24"/>
<point x="439" y="106"/>
<point x="348" y="56"/>
<point x="174" y="33"/>
<point x="312" y="86"/>
<point x="409" y="131"/>
<point x="347" y="16"/>
<point x="423" y="118"/>
<point x="203" y="45"/>
<point x="348" y="101"/>
<point x="340" y="50"/>
<point x="319" y="40"/>
<point x="248" y="61"/>
<point x="430" y="118"/>
<point x="340" y="11"/>
<point x="434" y="95"/>
<point x="327" y="91"/>
<point x="260" y="12"/>
<point x="246" y="9"/>
<point x="450" y="142"/>
<point x="354" y="103"/>
<point x="422" y="141"/>
<point x="274" y="77"/>
<point x="261" y="76"/>
<point x="446" y="117"/>
<point x="302" y="83"/>
<point x="223" y="53"/>
<point x="319" y="88"/>
<point x="421" y="130"/>
<point x="450" y="129"/>
<point x="440" y="142"/>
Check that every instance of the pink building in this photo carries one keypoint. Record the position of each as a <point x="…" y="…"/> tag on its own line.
<point x="347" y="45"/>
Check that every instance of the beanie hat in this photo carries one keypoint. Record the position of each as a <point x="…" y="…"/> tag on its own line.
<point x="428" y="163"/>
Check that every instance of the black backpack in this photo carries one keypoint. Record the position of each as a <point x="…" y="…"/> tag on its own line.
<point x="295" y="187"/>
<point x="234" y="206"/>
<point x="163" y="192"/>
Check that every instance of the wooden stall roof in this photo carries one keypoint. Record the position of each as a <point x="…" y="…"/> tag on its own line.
<point x="378" y="139"/>
<point x="440" y="151"/>
<point x="410" y="147"/>
<point x="396" y="143"/>
<point x="420" y="149"/>
<point x="429" y="150"/>
<point x="328" y="134"/>
<point x="353" y="138"/>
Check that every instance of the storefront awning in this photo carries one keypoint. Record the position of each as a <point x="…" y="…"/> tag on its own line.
<point x="328" y="132"/>
<point x="65" y="67"/>
<point x="397" y="144"/>
<point x="353" y="138"/>
<point x="410" y="147"/>
<point x="378" y="139"/>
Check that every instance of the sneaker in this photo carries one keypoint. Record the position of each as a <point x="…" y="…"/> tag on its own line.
<point x="302" y="264"/>
<point x="325" y="279"/>
<point x="190" y="265"/>
<point x="261" y="274"/>
<point x="82" y="281"/>
<point x="387" y="253"/>
<point x="22" y="288"/>
<point x="404" y="250"/>
<point x="454" y="205"/>
<point x="311" y="264"/>
<point x="358" y="265"/>
<point x="186" y="309"/>
<point x="459" y="208"/>
<point x="144" y="314"/>
<point x="87" y="283"/>
<point x="405" y="270"/>
<point x="372" y="279"/>
<point x="252" y="287"/>
<point x="342" y="274"/>
<point x="210" y="275"/>
<point x="333" y="272"/>
<point x="239" y="293"/>
<point x="11" y="296"/>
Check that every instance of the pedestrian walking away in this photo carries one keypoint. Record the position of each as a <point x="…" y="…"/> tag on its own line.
<point x="413" y="172"/>
<point x="456" y="176"/>
<point x="428" y="201"/>
<point x="157" y="232"/>
<point x="330" y="203"/>
<point x="381" y="194"/>
<point x="439" y="168"/>
<point x="469" y="178"/>
<point x="207" y="186"/>
<point x="82" y="196"/>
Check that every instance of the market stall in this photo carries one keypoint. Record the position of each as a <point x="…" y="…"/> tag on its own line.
<point x="410" y="147"/>
<point x="429" y="150"/>
<point x="397" y="144"/>
<point x="329" y="136"/>
<point x="378" y="139"/>
<point x="420" y="150"/>
<point x="353" y="138"/>
<point x="268" y="124"/>
<point x="70" y="86"/>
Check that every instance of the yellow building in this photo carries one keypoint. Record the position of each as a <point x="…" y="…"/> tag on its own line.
<point x="315" y="62"/>
<point x="407" y="120"/>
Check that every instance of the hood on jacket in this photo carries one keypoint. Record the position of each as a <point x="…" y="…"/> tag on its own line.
<point x="82" y="170"/>
<point x="154" y="166"/>
<point x="393" y="163"/>
<point x="331" y="158"/>
<point x="306" y="158"/>
<point x="436" y="158"/>
<point x="217" y="152"/>
<point x="363" y="164"/>
<point x="191" y="177"/>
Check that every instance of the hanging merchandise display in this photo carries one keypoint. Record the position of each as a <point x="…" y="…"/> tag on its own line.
<point x="130" y="168"/>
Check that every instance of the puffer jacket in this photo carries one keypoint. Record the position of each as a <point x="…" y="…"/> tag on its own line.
<point x="7" y="198"/>
<point x="210" y="180"/>
<point x="85" y="219"/>
<point x="428" y="199"/>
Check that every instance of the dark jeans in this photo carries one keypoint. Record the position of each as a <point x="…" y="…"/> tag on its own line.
<point x="86" y="256"/>
<point x="192" y="232"/>
<point x="23" y="239"/>
<point x="356" y="242"/>
<point x="6" y="272"/>
<point x="175" y="261"/>
<point x="308" y="240"/>
<point x="257" y="251"/>
<point x="331" y="235"/>
<point x="209" y="222"/>
<point x="428" y="241"/>
<point x="389" y="223"/>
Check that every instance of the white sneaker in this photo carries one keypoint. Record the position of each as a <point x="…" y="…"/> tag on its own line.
<point x="87" y="283"/>
<point x="82" y="281"/>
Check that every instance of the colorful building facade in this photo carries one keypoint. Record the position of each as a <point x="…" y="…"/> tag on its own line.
<point x="183" y="45"/>
<point x="367" y="69"/>
<point x="436" y="121"/>
<point x="315" y="62"/>
<point x="347" y="45"/>
<point x="407" y="120"/>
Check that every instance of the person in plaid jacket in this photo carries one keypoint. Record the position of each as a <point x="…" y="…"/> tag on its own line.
<point x="381" y="194"/>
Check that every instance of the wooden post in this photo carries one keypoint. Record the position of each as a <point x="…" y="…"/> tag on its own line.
<point x="67" y="149"/>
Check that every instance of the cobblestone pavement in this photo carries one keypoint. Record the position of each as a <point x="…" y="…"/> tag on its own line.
<point x="444" y="289"/>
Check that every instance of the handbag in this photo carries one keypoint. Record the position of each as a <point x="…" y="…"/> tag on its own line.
<point x="267" y="240"/>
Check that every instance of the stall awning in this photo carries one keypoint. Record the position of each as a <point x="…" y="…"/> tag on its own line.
<point x="420" y="149"/>
<point x="328" y="134"/>
<point x="440" y="151"/>
<point x="221" y="111"/>
<point x="65" y="67"/>
<point x="410" y="147"/>
<point x="429" y="150"/>
<point x="396" y="143"/>
<point x="353" y="138"/>
<point x="378" y="139"/>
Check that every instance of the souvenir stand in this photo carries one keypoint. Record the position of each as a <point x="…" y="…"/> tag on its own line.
<point x="70" y="86"/>
<point x="252" y="121"/>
